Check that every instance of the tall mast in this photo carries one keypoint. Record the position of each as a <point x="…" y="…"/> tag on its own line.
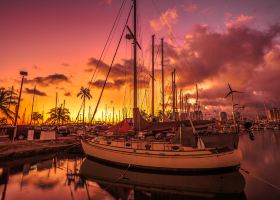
<point x="23" y="117"/>
<point x="153" y="76"/>
<point x="135" y="106"/>
<point x="56" y="101"/>
<point x="162" y="79"/>
<point x="135" y="53"/>
<point x="32" y="104"/>
<point x="181" y="102"/>
<point x="113" y="120"/>
<point x="174" y="93"/>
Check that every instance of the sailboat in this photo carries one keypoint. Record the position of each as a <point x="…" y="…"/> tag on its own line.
<point x="186" y="151"/>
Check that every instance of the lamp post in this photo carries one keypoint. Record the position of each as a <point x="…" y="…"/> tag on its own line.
<point x="23" y="74"/>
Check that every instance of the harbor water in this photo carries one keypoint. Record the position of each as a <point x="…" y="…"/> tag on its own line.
<point x="61" y="176"/>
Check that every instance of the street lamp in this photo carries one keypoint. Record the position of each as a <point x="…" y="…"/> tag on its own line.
<point x="23" y="74"/>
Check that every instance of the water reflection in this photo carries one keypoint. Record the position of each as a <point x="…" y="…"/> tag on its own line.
<point x="261" y="158"/>
<point x="63" y="177"/>
<point x="45" y="177"/>
<point x="125" y="184"/>
<point x="58" y="177"/>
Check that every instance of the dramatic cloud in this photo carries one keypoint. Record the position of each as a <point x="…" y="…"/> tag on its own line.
<point x="166" y="20"/>
<point x="120" y="75"/>
<point x="37" y="92"/>
<point x="117" y="84"/>
<point x="240" y="20"/>
<point x="48" y="80"/>
<point x="245" y="57"/>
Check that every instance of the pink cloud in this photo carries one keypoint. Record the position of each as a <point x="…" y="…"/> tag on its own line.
<point x="238" y="21"/>
<point x="247" y="58"/>
<point x="190" y="8"/>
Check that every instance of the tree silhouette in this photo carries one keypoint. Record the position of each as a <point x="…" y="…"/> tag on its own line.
<point x="59" y="115"/>
<point x="7" y="98"/>
<point x="36" y="117"/>
<point x="84" y="93"/>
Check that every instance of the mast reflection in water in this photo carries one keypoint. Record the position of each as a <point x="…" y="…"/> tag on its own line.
<point x="125" y="184"/>
<point x="73" y="177"/>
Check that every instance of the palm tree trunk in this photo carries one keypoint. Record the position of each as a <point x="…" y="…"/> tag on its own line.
<point x="84" y="111"/>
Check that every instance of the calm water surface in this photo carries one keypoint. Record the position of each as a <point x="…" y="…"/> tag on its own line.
<point x="56" y="177"/>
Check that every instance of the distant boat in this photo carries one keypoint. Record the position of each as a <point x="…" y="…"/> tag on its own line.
<point x="131" y="149"/>
<point x="208" y="186"/>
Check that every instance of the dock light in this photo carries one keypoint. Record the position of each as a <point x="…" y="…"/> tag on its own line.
<point x="23" y="74"/>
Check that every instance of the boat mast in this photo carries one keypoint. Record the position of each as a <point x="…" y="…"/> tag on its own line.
<point x="162" y="79"/>
<point x="135" y="106"/>
<point x="173" y="93"/>
<point x="32" y="104"/>
<point x="153" y="76"/>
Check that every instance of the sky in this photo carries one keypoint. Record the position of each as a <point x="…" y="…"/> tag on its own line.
<point x="212" y="43"/>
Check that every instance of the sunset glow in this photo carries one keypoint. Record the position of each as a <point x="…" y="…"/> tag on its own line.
<point x="209" y="43"/>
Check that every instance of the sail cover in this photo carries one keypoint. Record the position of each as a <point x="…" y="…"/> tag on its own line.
<point x="122" y="127"/>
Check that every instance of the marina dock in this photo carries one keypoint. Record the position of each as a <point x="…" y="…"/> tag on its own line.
<point x="10" y="151"/>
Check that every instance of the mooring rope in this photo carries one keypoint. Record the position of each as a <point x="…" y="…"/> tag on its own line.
<point x="119" y="178"/>
<point x="261" y="179"/>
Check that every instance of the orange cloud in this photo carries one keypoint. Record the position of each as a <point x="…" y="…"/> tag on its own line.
<point x="166" y="20"/>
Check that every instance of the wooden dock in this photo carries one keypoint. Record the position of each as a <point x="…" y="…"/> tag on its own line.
<point x="10" y="151"/>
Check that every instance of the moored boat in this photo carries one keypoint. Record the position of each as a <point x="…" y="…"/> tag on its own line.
<point x="176" y="154"/>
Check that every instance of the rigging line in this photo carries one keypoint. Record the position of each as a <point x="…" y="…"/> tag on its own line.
<point x="122" y="176"/>
<point x="110" y="41"/>
<point x="156" y="57"/>
<point x="79" y="111"/>
<point x="106" y="43"/>
<point x="103" y="50"/>
<point x="145" y="94"/>
<point x="124" y="28"/>
<point x="260" y="179"/>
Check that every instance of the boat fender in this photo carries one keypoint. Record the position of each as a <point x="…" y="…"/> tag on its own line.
<point x="127" y="144"/>
<point x="175" y="148"/>
<point x="251" y="136"/>
<point x="148" y="147"/>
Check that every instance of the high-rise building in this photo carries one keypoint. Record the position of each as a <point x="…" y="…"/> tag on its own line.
<point x="223" y="116"/>
<point x="274" y="114"/>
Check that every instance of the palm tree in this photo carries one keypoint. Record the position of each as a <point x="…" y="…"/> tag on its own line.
<point x="85" y="94"/>
<point x="59" y="115"/>
<point x="3" y="121"/>
<point x="36" y="117"/>
<point x="7" y="98"/>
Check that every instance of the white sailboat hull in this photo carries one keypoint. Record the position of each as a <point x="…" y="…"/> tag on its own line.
<point x="193" y="160"/>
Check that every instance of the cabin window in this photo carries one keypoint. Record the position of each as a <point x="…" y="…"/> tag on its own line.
<point x="175" y="148"/>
